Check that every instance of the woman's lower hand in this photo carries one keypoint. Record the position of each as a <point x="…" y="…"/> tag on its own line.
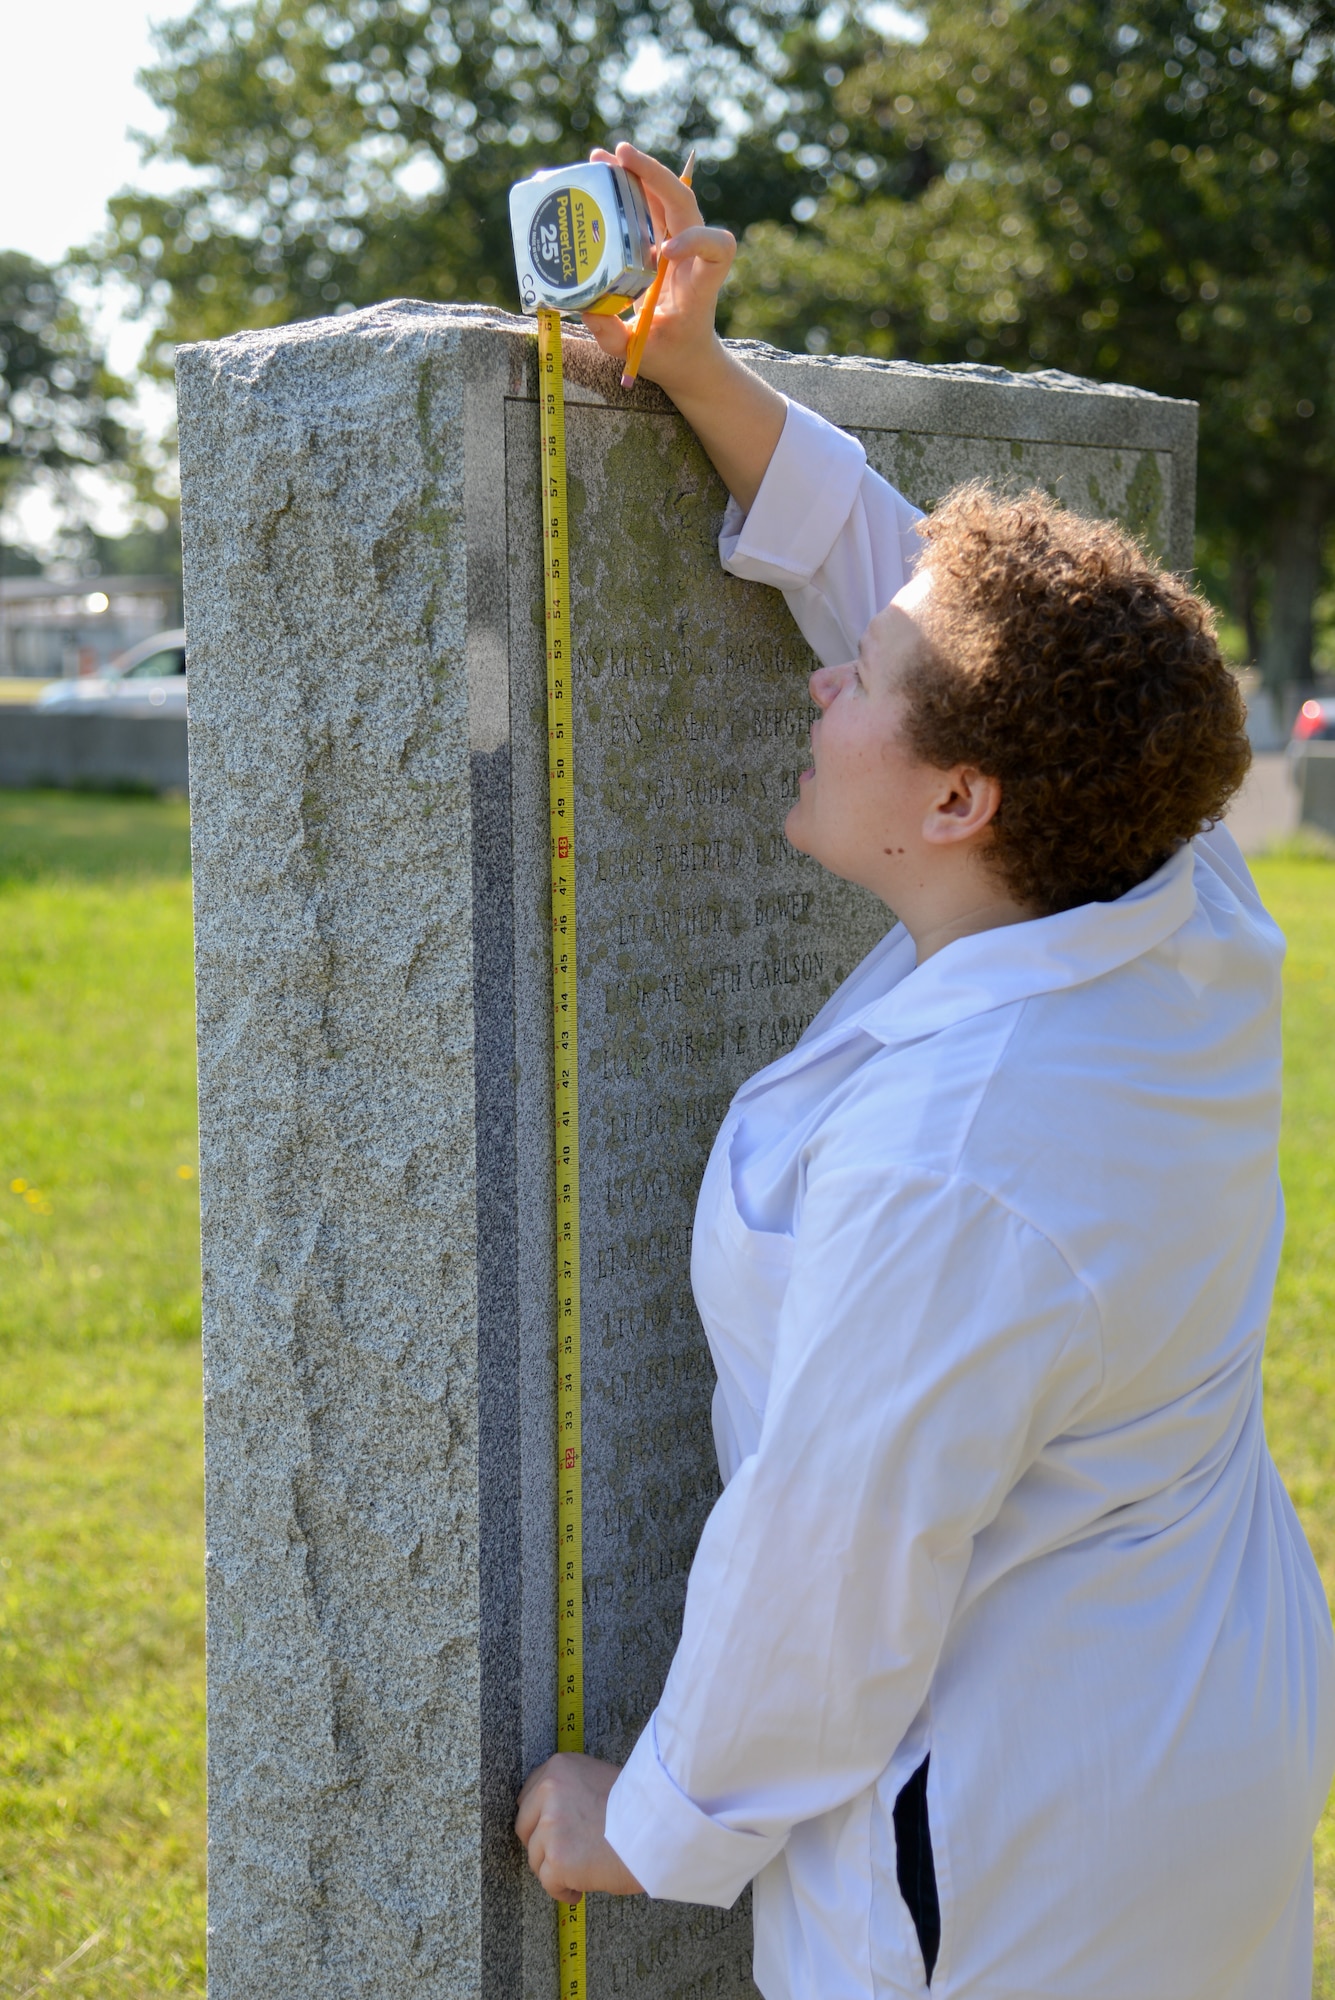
<point x="562" y="1814"/>
<point x="699" y="260"/>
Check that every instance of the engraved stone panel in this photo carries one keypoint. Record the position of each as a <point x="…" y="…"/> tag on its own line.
<point x="369" y="797"/>
<point x="705" y="945"/>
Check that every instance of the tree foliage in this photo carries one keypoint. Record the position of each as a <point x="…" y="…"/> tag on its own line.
<point x="352" y="150"/>
<point x="55" y="391"/>
<point x="1131" y="189"/>
<point x="1142" y="191"/>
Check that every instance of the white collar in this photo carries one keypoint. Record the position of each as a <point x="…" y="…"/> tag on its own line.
<point x="992" y="969"/>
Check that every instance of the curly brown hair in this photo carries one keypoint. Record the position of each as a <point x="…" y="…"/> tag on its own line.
<point x="1088" y="680"/>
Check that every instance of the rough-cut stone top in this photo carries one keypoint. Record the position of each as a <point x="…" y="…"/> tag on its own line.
<point x="399" y="318"/>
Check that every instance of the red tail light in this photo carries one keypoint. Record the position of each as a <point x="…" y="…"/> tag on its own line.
<point x="1309" y="720"/>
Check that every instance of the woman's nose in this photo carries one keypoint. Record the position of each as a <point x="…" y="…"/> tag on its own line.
<point x="825" y="683"/>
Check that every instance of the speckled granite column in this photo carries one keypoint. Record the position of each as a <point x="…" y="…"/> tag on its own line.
<point x="368" y="785"/>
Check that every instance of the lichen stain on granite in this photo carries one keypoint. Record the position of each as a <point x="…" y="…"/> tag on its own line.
<point x="1144" y="510"/>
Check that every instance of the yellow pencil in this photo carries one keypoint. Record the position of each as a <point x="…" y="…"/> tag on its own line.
<point x="644" y="319"/>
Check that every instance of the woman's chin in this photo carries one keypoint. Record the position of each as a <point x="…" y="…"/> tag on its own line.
<point x="793" y="829"/>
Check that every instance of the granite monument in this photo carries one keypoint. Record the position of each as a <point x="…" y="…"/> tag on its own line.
<point x="368" y="779"/>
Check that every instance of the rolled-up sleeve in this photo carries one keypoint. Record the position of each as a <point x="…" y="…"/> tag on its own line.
<point x="827" y="531"/>
<point x="910" y="1392"/>
<point x="690" y="1856"/>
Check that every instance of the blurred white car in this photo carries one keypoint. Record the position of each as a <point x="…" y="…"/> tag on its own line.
<point x="147" y="680"/>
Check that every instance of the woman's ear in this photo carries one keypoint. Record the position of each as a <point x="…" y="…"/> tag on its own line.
<point x="962" y="806"/>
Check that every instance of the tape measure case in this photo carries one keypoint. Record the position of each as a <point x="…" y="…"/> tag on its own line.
<point x="582" y="239"/>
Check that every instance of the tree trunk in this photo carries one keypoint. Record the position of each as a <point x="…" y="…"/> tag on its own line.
<point x="1242" y="577"/>
<point x="1286" y="647"/>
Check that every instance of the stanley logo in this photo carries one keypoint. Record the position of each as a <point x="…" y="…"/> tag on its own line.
<point x="566" y="238"/>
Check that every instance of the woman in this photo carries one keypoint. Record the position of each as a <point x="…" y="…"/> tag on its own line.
<point x="1005" y="1668"/>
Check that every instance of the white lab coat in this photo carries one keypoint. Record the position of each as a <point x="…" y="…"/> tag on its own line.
<point x="985" y="1264"/>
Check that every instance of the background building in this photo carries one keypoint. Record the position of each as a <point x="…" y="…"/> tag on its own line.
<point x="53" y="629"/>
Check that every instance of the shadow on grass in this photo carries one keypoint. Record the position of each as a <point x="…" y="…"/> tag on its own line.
<point x="92" y="836"/>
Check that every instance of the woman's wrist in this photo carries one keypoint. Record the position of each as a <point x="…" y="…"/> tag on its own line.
<point x="697" y="375"/>
<point x="738" y="418"/>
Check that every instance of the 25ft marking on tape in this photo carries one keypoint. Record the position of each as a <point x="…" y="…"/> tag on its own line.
<point x="565" y="1053"/>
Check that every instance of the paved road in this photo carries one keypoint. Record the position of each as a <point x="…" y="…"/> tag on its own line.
<point x="1266" y="809"/>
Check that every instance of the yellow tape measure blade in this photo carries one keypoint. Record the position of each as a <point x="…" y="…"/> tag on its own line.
<point x="571" y="1931"/>
<point x="565" y="1059"/>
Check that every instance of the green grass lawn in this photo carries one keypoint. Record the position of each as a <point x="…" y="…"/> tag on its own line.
<point x="101" y="1657"/>
<point x="1300" y="1352"/>
<point x="101" y="1532"/>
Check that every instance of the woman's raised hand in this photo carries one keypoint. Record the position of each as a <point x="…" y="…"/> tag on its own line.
<point x="699" y="260"/>
<point x="737" y="417"/>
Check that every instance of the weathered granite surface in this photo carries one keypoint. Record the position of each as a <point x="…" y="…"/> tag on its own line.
<point x="368" y="781"/>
